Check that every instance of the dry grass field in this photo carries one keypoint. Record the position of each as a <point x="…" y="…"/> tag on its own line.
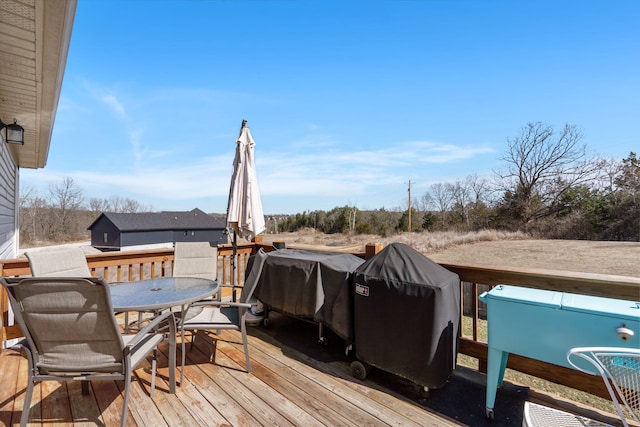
<point x="492" y="248"/>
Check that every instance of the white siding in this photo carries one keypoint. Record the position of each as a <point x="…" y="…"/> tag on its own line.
<point x="9" y="196"/>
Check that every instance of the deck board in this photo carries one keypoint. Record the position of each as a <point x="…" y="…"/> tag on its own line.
<point x="307" y="399"/>
<point x="287" y="408"/>
<point x="9" y="368"/>
<point x="83" y="409"/>
<point x="309" y="394"/>
<point x="109" y="402"/>
<point x="285" y="388"/>
<point x="347" y="392"/>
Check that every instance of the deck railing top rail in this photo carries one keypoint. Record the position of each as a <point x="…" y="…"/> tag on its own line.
<point x="602" y="285"/>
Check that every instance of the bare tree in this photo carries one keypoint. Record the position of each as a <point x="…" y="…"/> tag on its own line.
<point x="97" y="206"/>
<point x="479" y="190"/>
<point x="117" y="204"/>
<point x="543" y="164"/>
<point x="426" y="202"/>
<point x="66" y="199"/>
<point x="31" y="210"/>
<point x="441" y="199"/>
<point x="461" y="198"/>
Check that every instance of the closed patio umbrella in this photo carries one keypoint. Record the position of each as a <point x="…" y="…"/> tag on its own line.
<point x="245" y="217"/>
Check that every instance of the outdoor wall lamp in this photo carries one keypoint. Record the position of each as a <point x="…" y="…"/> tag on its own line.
<point x="12" y="133"/>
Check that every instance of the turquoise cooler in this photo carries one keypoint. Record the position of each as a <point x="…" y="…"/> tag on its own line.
<point x="545" y="325"/>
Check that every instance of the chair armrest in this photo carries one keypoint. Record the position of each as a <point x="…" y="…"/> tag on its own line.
<point x="233" y="291"/>
<point x="155" y="322"/>
<point x="589" y="354"/>
<point x="227" y="285"/>
<point x="21" y="346"/>
<point x="221" y="304"/>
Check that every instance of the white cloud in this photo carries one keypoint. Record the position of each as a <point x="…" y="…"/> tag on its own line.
<point x="113" y="102"/>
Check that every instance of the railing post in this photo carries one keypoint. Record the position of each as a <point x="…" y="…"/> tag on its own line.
<point x="370" y="249"/>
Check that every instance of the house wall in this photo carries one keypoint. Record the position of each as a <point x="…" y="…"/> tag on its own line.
<point x="138" y="238"/>
<point x="152" y="246"/>
<point x="214" y="236"/>
<point x="9" y="202"/>
<point x="103" y="225"/>
<point x="148" y="239"/>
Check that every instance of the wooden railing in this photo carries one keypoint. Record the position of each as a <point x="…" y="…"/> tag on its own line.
<point x="475" y="279"/>
<point x="137" y="265"/>
<point x="127" y="266"/>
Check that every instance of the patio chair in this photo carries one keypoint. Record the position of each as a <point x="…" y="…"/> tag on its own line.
<point x="216" y="315"/>
<point x="195" y="259"/>
<point x="620" y="371"/>
<point x="71" y="333"/>
<point x="70" y="262"/>
<point x="199" y="259"/>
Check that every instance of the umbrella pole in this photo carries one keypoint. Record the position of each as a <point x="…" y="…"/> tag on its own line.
<point x="234" y="266"/>
<point x="234" y="258"/>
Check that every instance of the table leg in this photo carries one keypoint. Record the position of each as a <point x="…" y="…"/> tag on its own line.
<point x="184" y="356"/>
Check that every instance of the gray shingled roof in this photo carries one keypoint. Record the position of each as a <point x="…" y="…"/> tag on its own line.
<point x="168" y="220"/>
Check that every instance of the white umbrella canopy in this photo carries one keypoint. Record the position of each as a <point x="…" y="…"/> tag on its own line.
<point x="244" y="211"/>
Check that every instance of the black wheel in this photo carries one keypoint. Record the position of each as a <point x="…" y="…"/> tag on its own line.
<point x="359" y="370"/>
<point x="265" y="322"/>
<point x="323" y="341"/>
<point x="348" y="351"/>
<point x="422" y="391"/>
<point x="489" y="413"/>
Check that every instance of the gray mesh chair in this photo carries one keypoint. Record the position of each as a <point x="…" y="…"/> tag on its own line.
<point x="195" y="259"/>
<point x="198" y="259"/>
<point x="620" y="371"/>
<point x="70" y="262"/>
<point x="216" y="315"/>
<point x="71" y="333"/>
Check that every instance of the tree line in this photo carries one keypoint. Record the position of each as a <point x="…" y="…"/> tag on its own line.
<point x="550" y="187"/>
<point x="63" y="213"/>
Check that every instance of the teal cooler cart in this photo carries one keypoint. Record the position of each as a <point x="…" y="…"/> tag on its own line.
<point x="545" y="325"/>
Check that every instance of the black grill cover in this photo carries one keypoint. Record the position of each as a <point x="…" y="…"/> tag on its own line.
<point x="406" y="315"/>
<point x="311" y="284"/>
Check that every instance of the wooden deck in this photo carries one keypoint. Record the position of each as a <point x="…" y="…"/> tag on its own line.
<point x="286" y="387"/>
<point x="295" y="381"/>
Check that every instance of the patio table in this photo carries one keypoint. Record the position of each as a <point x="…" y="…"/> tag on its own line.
<point x="161" y="293"/>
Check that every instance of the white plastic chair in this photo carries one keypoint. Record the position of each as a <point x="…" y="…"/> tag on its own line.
<point x="620" y="370"/>
<point x="536" y="415"/>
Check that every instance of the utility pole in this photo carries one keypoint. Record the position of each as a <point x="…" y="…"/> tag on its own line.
<point x="409" y="190"/>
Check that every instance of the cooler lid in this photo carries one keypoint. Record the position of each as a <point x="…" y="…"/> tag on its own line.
<point x="620" y="309"/>
<point x="522" y="295"/>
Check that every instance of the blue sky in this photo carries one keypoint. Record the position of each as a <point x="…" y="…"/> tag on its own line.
<point x="347" y="100"/>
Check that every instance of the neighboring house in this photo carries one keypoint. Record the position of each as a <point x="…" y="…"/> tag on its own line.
<point x="133" y="231"/>
<point x="34" y="42"/>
